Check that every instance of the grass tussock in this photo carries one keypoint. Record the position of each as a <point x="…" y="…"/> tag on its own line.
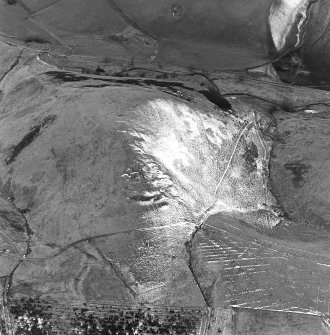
<point x="288" y="106"/>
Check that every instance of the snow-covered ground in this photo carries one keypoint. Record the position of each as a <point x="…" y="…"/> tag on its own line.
<point x="286" y="18"/>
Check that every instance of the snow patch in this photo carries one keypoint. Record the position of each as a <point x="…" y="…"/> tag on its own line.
<point x="194" y="160"/>
<point x="322" y="264"/>
<point x="311" y="111"/>
<point x="284" y="15"/>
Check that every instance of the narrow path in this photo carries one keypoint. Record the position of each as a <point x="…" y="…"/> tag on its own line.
<point x="89" y="239"/>
<point x="203" y="217"/>
<point x="114" y="268"/>
<point x="207" y="211"/>
<point x="50" y="33"/>
<point x="44" y="8"/>
<point x="41" y="26"/>
<point x="128" y="20"/>
<point x="265" y="166"/>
